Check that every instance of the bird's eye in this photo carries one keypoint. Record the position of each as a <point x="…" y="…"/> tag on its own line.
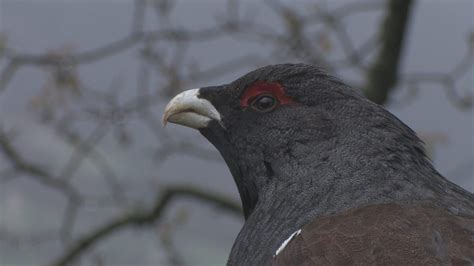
<point x="264" y="103"/>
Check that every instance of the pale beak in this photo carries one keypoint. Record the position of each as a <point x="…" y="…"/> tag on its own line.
<point x="189" y="110"/>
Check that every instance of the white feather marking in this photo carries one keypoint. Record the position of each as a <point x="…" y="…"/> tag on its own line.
<point x="283" y="245"/>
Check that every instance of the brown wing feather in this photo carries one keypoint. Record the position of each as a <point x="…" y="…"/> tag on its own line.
<point x="385" y="234"/>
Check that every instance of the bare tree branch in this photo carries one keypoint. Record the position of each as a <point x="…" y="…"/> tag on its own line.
<point x="145" y="218"/>
<point x="383" y="73"/>
<point x="17" y="60"/>
<point x="34" y="171"/>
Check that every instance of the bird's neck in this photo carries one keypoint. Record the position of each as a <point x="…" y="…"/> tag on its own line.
<point x="334" y="176"/>
<point x="302" y="188"/>
<point x="272" y="220"/>
<point x="283" y="207"/>
<point x="284" y="190"/>
<point x="323" y="169"/>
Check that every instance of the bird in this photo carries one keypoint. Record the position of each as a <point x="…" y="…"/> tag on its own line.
<point x="326" y="176"/>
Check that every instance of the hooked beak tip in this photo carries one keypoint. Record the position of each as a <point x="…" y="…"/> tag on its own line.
<point x="164" y="119"/>
<point x="188" y="109"/>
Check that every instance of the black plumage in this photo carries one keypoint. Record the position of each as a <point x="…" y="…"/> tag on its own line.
<point x="320" y="150"/>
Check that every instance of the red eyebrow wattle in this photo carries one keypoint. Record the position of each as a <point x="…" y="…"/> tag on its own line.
<point x="261" y="87"/>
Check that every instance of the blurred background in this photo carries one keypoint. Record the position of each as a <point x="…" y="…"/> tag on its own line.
<point x="88" y="176"/>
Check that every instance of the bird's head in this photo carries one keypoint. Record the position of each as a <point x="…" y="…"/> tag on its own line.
<point x="280" y="123"/>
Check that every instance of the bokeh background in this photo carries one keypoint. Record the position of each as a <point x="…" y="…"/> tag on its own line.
<point x="88" y="176"/>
